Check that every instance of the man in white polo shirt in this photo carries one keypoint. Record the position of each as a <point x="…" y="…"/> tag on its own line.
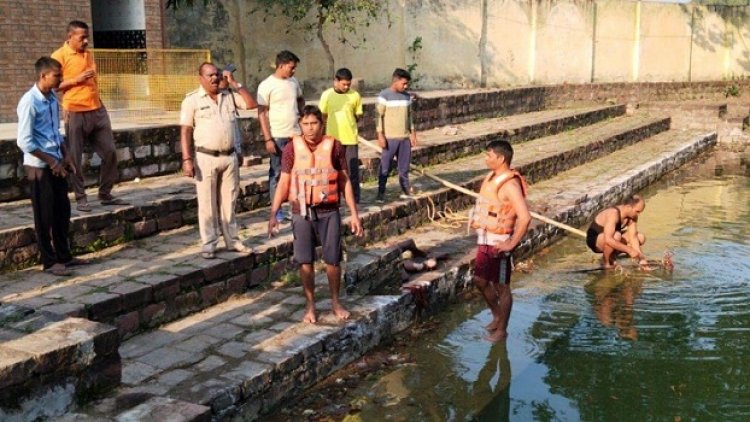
<point x="279" y="103"/>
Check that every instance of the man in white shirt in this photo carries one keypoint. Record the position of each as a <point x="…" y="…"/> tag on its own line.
<point x="279" y="103"/>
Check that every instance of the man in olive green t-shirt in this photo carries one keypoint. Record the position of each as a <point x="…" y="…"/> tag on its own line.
<point x="342" y="108"/>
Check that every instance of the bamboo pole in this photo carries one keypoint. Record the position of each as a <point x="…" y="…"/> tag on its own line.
<point x="422" y="172"/>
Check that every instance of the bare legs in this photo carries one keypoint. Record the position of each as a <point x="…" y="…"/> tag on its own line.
<point x="609" y="254"/>
<point x="500" y="302"/>
<point x="307" y="274"/>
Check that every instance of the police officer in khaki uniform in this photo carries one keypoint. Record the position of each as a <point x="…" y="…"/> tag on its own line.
<point x="207" y="126"/>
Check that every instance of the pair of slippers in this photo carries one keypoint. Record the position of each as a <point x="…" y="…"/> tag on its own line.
<point x="61" y="270"/>
<point x="84" y="206"/>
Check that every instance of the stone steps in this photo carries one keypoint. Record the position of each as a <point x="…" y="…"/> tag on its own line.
<point x="168" y="202"/>
<point x="691" y="115"/>
<point x="244" y="356"/>
<point x="150" y="281"/>
<point x="49" y="362"/>
<point x="151" y="147"/>
<point x="214" y="343"/>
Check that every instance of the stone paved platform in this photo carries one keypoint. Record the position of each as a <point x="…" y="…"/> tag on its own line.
<point x="168" y="202"/>
<point x="245" y="355"/>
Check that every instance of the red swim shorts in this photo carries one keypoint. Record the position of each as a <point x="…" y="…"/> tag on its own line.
<point x="492" y="266"/>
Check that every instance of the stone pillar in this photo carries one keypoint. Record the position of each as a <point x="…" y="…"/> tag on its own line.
<point x="154" y="10"/>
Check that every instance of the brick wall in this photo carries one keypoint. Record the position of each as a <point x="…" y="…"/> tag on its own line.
<point x="154" y="35"/>
<point x="29" y="30"/>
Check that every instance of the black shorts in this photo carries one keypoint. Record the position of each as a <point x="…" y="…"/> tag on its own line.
<point x="591" y="236"/>
<point x="492" y="266"/>
<point x="326" y="231"/>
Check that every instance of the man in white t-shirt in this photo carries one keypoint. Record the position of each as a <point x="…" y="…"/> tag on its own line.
<point x="279" y="103"/>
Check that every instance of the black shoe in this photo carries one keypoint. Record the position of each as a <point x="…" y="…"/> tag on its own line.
<point x="380" y="198"/>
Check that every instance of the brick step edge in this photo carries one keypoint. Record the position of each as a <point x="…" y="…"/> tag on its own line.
<point x="142" y="407"/>
<point x="48" y="372"/>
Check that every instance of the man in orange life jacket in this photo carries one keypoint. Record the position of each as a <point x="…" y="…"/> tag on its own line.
<point x="313" y="174"/>
<point x="501" y="218"/>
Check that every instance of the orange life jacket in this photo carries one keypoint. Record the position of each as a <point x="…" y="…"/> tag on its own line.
<point x="489" y="212"/>
<point x="314" y="179"/>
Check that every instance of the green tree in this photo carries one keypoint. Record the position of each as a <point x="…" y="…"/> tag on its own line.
<point x="347" y="16"/>
<point x="313" y="16"/>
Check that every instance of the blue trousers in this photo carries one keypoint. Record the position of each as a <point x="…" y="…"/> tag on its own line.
<point x="274" y="171"/>
<point x="401" y="150"/>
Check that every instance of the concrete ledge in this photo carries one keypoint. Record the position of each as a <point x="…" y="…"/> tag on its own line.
<point x="55" y="364"/>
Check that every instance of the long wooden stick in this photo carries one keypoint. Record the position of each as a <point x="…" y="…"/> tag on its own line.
<point x="422" y="172"/>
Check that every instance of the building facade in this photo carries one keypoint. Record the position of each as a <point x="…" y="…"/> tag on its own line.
<point x="30" y="30"/>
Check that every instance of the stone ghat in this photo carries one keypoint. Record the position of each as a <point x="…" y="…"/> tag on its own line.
<point x="216" y="339"/>
<point x="243" y="357"/>
<point x="49" y="362"/>
<point x="153" y="150"/>
<point x="158" y="279"/>
<point x="166" y="203"/>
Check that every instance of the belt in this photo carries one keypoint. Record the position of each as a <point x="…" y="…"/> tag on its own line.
<point x="214" y="152"/>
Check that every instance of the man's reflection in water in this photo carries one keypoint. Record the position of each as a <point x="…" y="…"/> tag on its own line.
<point x="613" y="303"/>
<point x="493" y="382"/>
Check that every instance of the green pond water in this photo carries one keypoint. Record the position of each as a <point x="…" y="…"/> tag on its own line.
<point x="594" y="346"/>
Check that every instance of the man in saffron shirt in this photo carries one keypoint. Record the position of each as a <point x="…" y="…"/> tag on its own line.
<point x="86" y="119"/>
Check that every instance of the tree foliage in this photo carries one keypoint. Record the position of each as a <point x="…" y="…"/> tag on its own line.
<point x="349" y="17"/>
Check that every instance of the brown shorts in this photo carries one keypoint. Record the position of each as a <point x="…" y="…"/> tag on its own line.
<point x="492" y="266"/>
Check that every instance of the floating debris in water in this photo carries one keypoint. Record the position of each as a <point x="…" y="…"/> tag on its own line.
<point x="667" y="262"/>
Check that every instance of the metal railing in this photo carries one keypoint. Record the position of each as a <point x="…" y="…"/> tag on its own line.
<point x="146" y="83"/>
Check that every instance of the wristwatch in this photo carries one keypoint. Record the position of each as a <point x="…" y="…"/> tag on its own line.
<point x="239" y="85"/>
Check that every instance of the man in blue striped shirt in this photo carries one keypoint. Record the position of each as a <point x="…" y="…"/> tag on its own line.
<point x="47" y="163"/>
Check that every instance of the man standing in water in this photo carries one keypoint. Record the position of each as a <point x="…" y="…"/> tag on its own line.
<point x="313" y="174"/>
<point x="614" y="230"/>
<point x="501" y="218"/>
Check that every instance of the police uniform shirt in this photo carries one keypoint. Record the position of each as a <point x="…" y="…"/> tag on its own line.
<point x="212" y="122"/>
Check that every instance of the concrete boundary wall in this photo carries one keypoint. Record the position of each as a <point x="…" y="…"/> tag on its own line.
<point x="489" y="42"/>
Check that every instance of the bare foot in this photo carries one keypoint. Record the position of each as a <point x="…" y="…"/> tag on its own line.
<point x="310" y="316"/>
<point x="340" y="312"/>
<point x="492" y="326"/>
<point x="497" y="335"/>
